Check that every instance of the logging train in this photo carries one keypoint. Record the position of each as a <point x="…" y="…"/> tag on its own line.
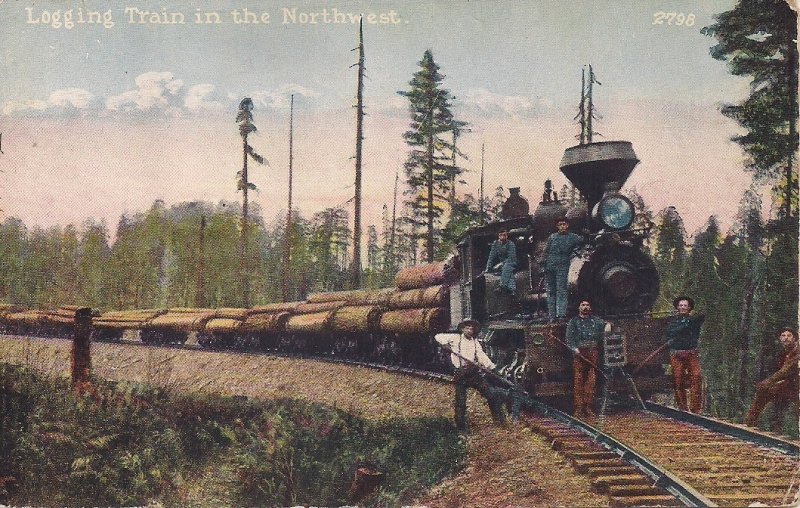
<point x="396" y="325"/>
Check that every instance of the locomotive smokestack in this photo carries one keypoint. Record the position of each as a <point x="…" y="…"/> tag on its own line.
<point x="597" y="168"/>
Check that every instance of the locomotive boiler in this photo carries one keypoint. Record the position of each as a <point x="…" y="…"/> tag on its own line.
<point x="612" y="270"/>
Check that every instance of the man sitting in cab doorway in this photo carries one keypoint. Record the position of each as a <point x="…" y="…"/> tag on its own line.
<point x="468" y="357"/>
<point x="503" y="258"/>
<point x="584" y="335"/>
<point x="559" y="250"/>
<point x="781" y="387"/>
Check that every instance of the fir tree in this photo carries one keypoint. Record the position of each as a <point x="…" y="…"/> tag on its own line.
<point x="429" y="169"/>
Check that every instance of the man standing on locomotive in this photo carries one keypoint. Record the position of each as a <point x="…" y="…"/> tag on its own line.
<point x="560" y="248"/>
<point x="584" y="334"/>
<point x="468" y="357"/>
<point x="682" y="334"/>
<point x="781" y="387"/>
<point x="503" y="251"/>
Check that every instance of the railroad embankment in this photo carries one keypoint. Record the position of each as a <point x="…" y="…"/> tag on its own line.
<point x="198" y="427"/>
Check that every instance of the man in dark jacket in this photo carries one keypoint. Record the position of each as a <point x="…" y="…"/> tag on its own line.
<point x="781" y="387"/>
<point x="503" y="251"/>
<point x="682" y="333"/>
<point x="560" y="248"/>
<point x="584" y="334"/>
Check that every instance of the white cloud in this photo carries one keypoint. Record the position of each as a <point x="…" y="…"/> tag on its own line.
<point x="279" y="98"/>
<point x="66" y="101"/>
<point x="485" y="101"/>
<point x="157" y="93"/>
<point x="196" y="98"/>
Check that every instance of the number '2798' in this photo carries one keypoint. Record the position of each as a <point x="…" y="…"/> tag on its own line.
<point x="673" y="18"/>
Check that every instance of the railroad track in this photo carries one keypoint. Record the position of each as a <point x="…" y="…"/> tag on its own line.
<point x="653" y="457"/>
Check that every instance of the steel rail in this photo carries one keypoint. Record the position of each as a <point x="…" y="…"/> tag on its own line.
<point x="742" y="433"/>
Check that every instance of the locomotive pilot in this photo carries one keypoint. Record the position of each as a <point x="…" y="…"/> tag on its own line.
<point x="682" y="334"/>
<point x="503" y="253"/>
<point x="468" y="357"/>
<point x="560" y="248"/>
<point x="781" y="387"/>
<point x="584" y="335"/>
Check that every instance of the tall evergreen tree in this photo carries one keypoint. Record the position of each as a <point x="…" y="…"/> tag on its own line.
<point x="429" y="169"/>
<point x="246" y="127"/>
<point x="758" y="39"/>
<point x="670" y="255"/>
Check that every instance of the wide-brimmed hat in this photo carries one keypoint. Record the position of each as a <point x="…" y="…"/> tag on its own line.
<point x="689" y="299"/>
<point x="472" y="322"/>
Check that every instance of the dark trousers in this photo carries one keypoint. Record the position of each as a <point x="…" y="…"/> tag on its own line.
<point x="781" y="393"/>
<point x="556" y="283"/>
<point x="470" y="377"/>
<point x="686" y="370"/>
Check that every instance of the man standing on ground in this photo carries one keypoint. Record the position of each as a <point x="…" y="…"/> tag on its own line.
<point x="584" y="335"/>
<point x="682" y="334"/>
<point x="560" y="248"/>
<point x="467" y="357"/>
<point x="503" y="251"/>
<point x="781" y="387"/>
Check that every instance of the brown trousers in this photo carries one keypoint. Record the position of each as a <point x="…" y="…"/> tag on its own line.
<point x="782" y="393"/>
<point x="584" y="379"/>
<point x="686" y="371"/>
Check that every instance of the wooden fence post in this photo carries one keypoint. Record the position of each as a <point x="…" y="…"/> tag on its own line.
<point x="81" y="349"/>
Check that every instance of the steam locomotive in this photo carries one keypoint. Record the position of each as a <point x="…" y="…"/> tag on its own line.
<point x="612" y="271"/>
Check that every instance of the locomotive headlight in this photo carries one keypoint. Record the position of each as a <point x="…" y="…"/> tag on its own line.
<point x="614" y="211"/>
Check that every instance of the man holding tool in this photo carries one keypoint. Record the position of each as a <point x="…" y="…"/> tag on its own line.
<point x="584" y="334"/>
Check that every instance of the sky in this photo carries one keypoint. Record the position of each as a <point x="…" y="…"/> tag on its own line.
<point x="105" y="108"/>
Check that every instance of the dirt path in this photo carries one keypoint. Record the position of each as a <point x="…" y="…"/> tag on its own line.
<point x="507" y="466"/>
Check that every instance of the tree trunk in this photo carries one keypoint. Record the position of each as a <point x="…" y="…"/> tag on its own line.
<point x="430" y="192"/>
<point x="243" y="275"/>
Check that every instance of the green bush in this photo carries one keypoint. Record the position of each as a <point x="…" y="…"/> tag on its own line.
<point x="129" y="444"/>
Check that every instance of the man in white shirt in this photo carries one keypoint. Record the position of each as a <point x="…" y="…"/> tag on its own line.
<point x="467" y="355"/>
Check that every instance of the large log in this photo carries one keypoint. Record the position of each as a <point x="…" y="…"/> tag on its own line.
<point x="331" y="296"/>
<point x="266" y="322"/>
<point x="27" y="317"/>
<point x="423" y="276"/>
<point x="371" y="296"/>
<point x="413" y="321"/>
<point x="275" y="307"/>
<point x="180" y="321"/>
<point x="232" y="313"/>
<point x="311" y="308"/>
<point x="222" y="325"/>
<point x="189" y="310"/>
<point x="310" y="323"/>
<point x="434" y="296"/>
<point x="356" y="319"/>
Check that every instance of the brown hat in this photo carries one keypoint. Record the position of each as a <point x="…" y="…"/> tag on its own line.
<point x="472" y="322"/>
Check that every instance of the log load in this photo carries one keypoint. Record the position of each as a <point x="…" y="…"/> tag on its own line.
<point x="356" y="319"/>
<point x="434" y="296"/>
<point x="310" y="323"/>
<point x="413" y="321"/>
<point x="378" y="297"/>
<point x="422" y="276"/>
<point x="331" y="296"/>
<point x="27" y="317"/>
<point x="266" y="322"/>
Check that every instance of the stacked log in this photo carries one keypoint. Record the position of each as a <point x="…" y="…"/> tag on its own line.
<point x="313" y="308"/>
<point x="182" y="320"/>
<point x="414" y="321"/>
<point x="126" y="319"/>
<point x="379" y="297"/>
<point x="434" y="296"/>
<point x="27" y="317"/>
<point x="275" y="307"/>
<point x="266" y="322"/>
<point x="423" y="276"/>
<point x="315" y="323"/>
<point x="356" y="319"/>
<point x="6" y="310"/>
<point x="232" y="313"/>
<point x="222" y="325"/>
<point x="332" y="296"/>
